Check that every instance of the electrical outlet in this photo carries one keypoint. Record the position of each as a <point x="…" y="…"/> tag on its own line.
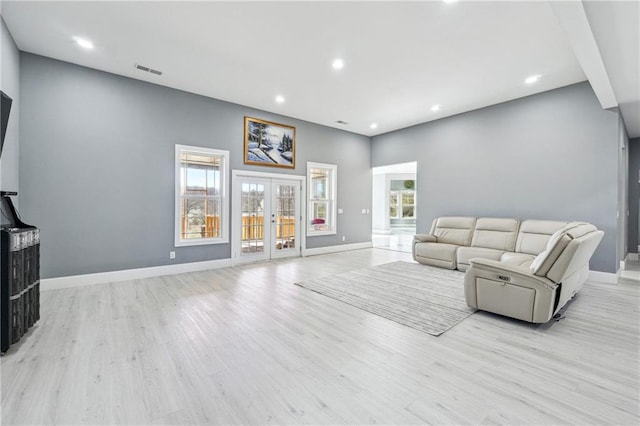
<point x="364" y="211"/>
<point x="344" y="238"/>
<point x="172" y="255"/>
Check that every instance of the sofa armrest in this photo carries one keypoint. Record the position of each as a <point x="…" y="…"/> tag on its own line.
<point x="503" y="269"/>
<point x="425" y="238"/>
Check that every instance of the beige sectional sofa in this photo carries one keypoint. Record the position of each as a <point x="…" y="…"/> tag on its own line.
<point x="526" y="270"/>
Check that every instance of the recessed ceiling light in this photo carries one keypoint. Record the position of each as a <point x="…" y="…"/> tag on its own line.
<point x="279" y="99"/>
<point x="435" y="108"/>
<point x="532" y="79"/>
<point x="374" y="125"/>
<point x="338" y="64"/>
<point x="83" y="42"/>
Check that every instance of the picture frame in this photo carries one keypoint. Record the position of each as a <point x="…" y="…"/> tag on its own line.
<point x="269" y="144"/>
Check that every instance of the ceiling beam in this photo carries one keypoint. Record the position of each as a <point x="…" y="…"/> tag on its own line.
<point x="573" y="20"/>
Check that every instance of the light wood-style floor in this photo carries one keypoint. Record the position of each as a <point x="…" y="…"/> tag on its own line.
<point x="245" y="345"/>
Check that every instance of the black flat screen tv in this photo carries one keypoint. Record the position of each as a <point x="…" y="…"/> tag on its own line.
<point x="5" y="109"/>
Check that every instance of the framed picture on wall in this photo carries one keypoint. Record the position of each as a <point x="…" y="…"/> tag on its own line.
<point x="269" y="144"/>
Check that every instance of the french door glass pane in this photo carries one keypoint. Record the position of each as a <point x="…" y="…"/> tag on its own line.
<point x="285" y="217"/>
<point x="252" y="218"/>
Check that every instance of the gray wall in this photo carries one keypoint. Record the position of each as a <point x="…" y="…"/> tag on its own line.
<point x="97" y="166"/>
<point x="634" y="194"/>
<point x="548" y="156"/>
<point x="10" y="81"/>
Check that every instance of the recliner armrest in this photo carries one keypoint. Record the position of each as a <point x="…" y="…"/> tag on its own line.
<point x="522" y="275"/>
<point x="426" y="238"/>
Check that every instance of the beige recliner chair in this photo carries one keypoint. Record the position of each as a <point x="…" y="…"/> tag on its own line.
<point x="537" y="292"/>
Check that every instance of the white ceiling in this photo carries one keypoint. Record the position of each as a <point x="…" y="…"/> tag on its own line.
<point x="400" y="58"/>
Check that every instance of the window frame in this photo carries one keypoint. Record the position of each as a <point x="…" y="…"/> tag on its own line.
<point x="400" y="205"/>
<point x="331" y="199"/>
<point x="224" y="196"/>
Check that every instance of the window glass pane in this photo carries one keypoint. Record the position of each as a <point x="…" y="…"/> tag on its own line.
<point x="319" y="219"/>
<point x="212" y="218"/>
<point x="193" y="218"/>
<point x="195" y="180"/>
<point x="200" y="174"/>
<point x="321" y="194"/>
<point x="319" y="184"/>
<point x="407" y="197"/>
<point x="407" y="211"/>
<point x="213" y="182"/>
<point x="393" y="204"/>
<point x="199" y="196"/>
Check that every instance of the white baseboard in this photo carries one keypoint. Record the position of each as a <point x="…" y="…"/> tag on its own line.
<point x="335" y="249"/>
<point x="130" y="274"/>
<point x="603" y="277"/>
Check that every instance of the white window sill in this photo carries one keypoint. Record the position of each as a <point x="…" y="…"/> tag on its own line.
<point x="201" y="242"/>
<point x="319" y="233"/>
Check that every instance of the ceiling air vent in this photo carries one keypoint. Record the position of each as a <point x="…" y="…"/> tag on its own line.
<point x="341" y="122"/>
<point x="147" y="69"/>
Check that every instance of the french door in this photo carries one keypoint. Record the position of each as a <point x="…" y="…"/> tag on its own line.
<point x="266" y="218"/>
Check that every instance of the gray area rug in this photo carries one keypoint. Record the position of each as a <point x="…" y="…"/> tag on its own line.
<point x="426" y="298"/>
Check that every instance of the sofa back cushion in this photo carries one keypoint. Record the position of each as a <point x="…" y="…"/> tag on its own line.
<point x="495" y="233"/>
<point x="556" y="246"/>
<point x="534" y="235"/>
<point x="584" y="241"/>
<point x="453" y="230"/>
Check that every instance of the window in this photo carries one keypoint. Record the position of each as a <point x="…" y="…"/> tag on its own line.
<point x="202" y="189"/>
<point x="321" y="214"/>
<point x="401" y="204"/>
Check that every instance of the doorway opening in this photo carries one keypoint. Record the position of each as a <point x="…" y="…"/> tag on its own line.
<point x="394" y="209"/>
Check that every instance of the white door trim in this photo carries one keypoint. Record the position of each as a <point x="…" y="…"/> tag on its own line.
<point x="235" y="202"/>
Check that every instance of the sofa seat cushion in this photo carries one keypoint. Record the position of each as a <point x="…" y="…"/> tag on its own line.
<point x="517" y="259"/>
<point x="436" y="254"/>
<point x="466" y="253"/>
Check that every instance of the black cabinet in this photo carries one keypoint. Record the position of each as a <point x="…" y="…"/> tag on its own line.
<point x="20" y="287"/>
<point x="19" y="274"/>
